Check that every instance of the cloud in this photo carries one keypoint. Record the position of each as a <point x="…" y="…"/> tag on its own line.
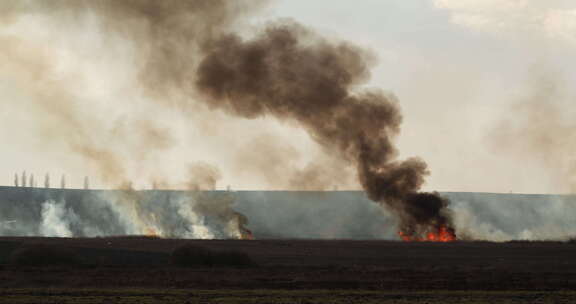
<point x="554" y="19"/>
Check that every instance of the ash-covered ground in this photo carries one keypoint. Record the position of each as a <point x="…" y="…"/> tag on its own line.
<point x="143" y="262"/>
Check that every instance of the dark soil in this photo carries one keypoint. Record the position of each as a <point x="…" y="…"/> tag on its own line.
<point x="294" y="264"/>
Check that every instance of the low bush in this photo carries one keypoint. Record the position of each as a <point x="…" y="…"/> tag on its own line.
<point x="44" y="255"/>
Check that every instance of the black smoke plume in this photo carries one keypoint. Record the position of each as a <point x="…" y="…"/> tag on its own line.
<point x="197" y="49"/>
<point x="291" y="73"/>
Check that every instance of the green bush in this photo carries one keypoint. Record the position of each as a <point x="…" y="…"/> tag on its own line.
<point x="44" y="255"/>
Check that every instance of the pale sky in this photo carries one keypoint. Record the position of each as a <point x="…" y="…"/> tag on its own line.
<point x="458" y="67"/>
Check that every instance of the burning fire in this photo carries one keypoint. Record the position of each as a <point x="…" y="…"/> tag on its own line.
<point x="151" y="232"/>
<point x="442" y="234"/>
<point x="246" y="234"/>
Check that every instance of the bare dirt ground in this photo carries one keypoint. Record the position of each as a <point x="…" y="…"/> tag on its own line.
<point x="138" y="269"/>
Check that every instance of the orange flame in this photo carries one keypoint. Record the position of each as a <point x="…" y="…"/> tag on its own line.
<point x="246" y="234"/>
<point x="151" y="232"/>
<point x="442" y="234"/>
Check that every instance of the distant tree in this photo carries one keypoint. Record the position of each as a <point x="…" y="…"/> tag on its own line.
<point x="23" y="179"/>
<point x="63" y="182"/>
<point x="47" y="180"/>
<point x="16" y="179"/>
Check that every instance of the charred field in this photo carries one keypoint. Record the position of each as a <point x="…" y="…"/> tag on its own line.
<point x="309" y="248"/>
<point x="293" y="269"/>
<point x="347" y="138"/>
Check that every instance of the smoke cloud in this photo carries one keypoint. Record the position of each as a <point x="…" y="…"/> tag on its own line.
<point x="291" y="73"/>
<point x="54" y="220"/>
<point x="92" y="213"/>
<point x="541" y="131"/>
<point x="194" y="50"/>
<point x="203" y="176"/>
<point x="292" y="169"/>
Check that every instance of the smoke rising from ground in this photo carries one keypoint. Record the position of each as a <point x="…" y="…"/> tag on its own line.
<point x="292" y="169"/>
<point x="92" y="213"/>
<point x="541" y="130"/>
<point x="185" y="50"/>
<point x="203" y="176"/>
<point x="277" y="214"/>
<point x="55" y="220"/>
<point x="290" y="73"/>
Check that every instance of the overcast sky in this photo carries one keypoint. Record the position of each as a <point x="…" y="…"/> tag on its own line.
<point x="463" y="70"/>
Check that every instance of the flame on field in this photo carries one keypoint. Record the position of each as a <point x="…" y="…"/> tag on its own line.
<point x="246" y="234"/>
<point x="441" y="234"/>
<point x="151" y="232"/>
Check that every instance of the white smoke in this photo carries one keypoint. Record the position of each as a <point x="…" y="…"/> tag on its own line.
<point x="5" y="225"/>
<point x="232" y="228"/>
<point x="498" y="217"/>
<point x="55" y="219"/>
<point x="196" y="227"/>
<point x="123" y="207"/>
<point x="193" y="215"/>
<point x="471" y="227"/>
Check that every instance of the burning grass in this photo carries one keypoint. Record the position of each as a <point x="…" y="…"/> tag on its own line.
<point x="440" y="234"/>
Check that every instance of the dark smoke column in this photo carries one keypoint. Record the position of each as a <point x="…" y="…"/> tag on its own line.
<point x="287" y="71"/>
<point x="291" y="73"/>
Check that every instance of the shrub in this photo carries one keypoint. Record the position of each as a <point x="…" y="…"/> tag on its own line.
<point x="44" y="255"/>
<point x="188" y="255"/>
